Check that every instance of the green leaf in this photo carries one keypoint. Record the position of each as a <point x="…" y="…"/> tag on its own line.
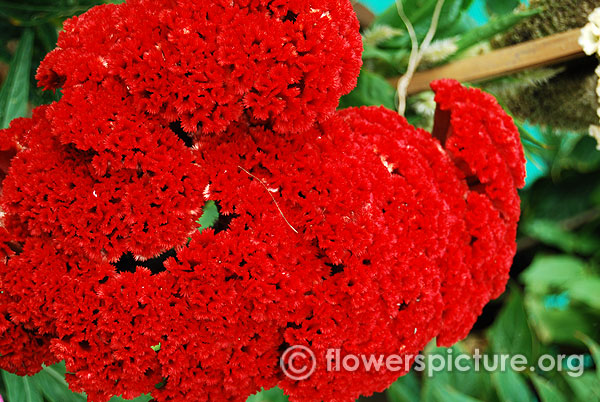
<point x="51" y="382"/>
<point x="48" y="35"/>
<point x="396" y="59"/>
<point x="475" y="384"/>
<point x="552" y="233"/>
<point x="27" y="14"/>
<point x="511" y="387"/>
<point x="583" y="156"/>
<point x="15" y="91"/>
<point x="553" y="325"/>
<point x="420" y="13"/>
<point x="510" y="333"/>
<point x="492" y="28"/>
<point x="585" y="387"/>
<point x="547" y="391"/>
<point x="272" y="395"/>
<point x="548" y="272"/>
<point x="209" y="216"/>
<point x="501" y="7"/>
<point x="20" y="389"/>
<point x="415" y="10"/>
<point x="594" y="350"/>
<point x="449" y="394"/>
<point x="405" y="389"/>
<point x="372" y="89"/>
<point x="585" y="290"/>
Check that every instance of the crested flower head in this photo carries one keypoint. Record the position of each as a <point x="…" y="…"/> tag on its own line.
<point x="336" y="229"/>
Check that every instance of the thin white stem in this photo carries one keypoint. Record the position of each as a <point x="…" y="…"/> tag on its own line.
<point x="273" y="198"/>
<point x="417" y="52"/>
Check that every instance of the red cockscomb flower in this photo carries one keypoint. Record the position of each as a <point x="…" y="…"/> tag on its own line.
<point x="349" y="230"/>
<point x="206" y="64"/>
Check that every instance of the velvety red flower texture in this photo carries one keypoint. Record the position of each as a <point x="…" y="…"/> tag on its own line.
<point x="282" y="63"/>
<point x="349" y="230"/>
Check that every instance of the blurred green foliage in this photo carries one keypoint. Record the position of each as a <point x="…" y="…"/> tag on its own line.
<point x="28" y="31"/>
<point x="553" y="303"/>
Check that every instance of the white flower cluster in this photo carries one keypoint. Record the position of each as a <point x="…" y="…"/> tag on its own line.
<point x="589" y="40"/>
<point x="590" y="34"/>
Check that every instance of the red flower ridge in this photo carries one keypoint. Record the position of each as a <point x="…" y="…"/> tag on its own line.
<point x="349" y="230"/>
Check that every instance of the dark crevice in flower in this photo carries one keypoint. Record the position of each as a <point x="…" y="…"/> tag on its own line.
<point x="283" y="347"/>
<point x="180" y="132"/>
<point x="402" y="306"/>
<point x="475" y="185"/>
<point x="232" y="277"/>
<point x="224" y="221"/>
<point x="290" y="16"/>
<point x="15" y="247"/>
<point x="128" y="263"/>
<point x="335" y="268"/>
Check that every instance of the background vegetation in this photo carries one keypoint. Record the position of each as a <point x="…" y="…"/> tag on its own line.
<point x="552" y="303"/>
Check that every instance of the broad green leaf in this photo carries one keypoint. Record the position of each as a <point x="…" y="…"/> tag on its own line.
<point x="511" y="387"/>
<point x="209" y="216"/>
<point x="20" y="389"/>
<point x="395" y="59"/>
<point x="372" y="89"/>
<point x="594" y="350"/>
<point x="51" y="382"/>
<point x="48" y="34"/>
<point x="510" y="332"/>
<point x="553" y="325"/>
<point x="547" y="391"/>
<point x="416" y="10"/>
<point x="548" y="272"/>
<point x="405" y="389"/>
<point x="15" y="90"/>
<point x="475" y="384"/>
<point x="560" y="200"/>
<point x="552" y="233"/>
<point x="585" y="290"/>
<point x="449" y="394"/>
<point x="583" y="157"/>
<point x="586" y="387"/>
<point x="272" y="395"/>
<point x="501" y="7"/>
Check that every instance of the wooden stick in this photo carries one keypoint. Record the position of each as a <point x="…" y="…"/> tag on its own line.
<point x="536" y="53"/>
<point x="365" y="16"/>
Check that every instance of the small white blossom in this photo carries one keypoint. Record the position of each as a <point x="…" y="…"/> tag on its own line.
<point x="589" y="38"/>
<point x="594" y="17"/>
<point x="595" y="133"/>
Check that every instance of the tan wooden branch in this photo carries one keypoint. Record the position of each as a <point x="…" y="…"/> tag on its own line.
<point x="546" y="51"/>
<point x="365" y="16"/>
<point x="536" y="53"/>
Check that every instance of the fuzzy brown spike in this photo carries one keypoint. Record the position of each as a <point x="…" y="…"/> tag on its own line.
<point x="568" y="101"/>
